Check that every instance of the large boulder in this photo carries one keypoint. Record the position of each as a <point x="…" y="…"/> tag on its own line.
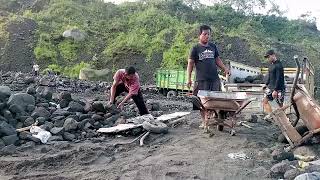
<point x="94" y="75"/>
<point x="22" y="99"/>
<point x="5" y="92"/>
<point x="75" y="34"/>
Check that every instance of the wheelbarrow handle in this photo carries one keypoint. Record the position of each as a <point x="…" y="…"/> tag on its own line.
<point x="245" y="104"/>
<point x="295" y="82"/>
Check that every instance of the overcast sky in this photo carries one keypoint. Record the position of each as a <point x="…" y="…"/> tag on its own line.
<point x="293" y="8"/>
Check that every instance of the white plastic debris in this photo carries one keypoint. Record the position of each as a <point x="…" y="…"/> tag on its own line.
<point x="167" y="117"/>
<point x="41" y="134"/>
<point x="118" y="128"/>
<point x="241" y="156"/>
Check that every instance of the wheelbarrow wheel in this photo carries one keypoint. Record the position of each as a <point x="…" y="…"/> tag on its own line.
<point x="171" y="94"/>
<point x="220" y="127"/>
<point x="196" y="102"/>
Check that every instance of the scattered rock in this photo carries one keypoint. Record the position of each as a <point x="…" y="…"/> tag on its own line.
<point x="29" y="121"/>
<point x="40" y="112"/>
<point x="7" y="150"/>
<point x="47" y="94"/>
<point x="64" y="103"/>
<point x="279" y="169"/>
<point x="7" y="114"/>
<point x="31" y="90"/>
<point x="254" y="118"/>
<point x="75" y="107"/>
<point x="6" y="129"/>
<point x="44" y="82"/>
<point x="45" y="105"/>
<point x="61" y="112"/>
<point x="280" y="154"/>
<point x="87" y="107"/>
<point x="70" y="124"/>
<point x="98" y="107"/>
<point x="2" y="144"/>
<point x="65" y="96"/>
<point x="47" y="126"/>
<point x="308" y="176"/>
<point x="96" y="117"/>
<point x="68" y="136"/>
<point x="84" y="116"/>
<point x="11" y="139"/>
<point x="41" y="120"/>
<point x="55" y="138"/>
<point x="292" y="173"/>
<point x="15" y="109"/>
<point x="304" y="151"/>
<point x="22" y="100"/>
<point x="2" y="105"/>
<point x="57" y="130"/>
<point x="5" y="93"/>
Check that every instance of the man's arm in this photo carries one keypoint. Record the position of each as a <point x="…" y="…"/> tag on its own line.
<point x="222" y="66"/>
<point x="113" y="91"/>
<point x="279" y="78"/>
<point x="189" y="70"/>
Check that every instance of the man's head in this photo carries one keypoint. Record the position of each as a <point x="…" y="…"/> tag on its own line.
<point x="271" y="55"/>
<point x="130" y="72"/>
<point x="204" y="34"/>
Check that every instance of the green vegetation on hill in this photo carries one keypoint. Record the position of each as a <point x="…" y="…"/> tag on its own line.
<point x="158" y="27"/>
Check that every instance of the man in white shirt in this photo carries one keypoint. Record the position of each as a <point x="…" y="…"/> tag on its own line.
<point x="35" y="68"/>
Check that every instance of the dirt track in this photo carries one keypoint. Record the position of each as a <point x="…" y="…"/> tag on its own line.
<point x="184" y="153"/>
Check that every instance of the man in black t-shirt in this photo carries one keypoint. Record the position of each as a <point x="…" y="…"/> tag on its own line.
<point x="275" y="87"/>
<point x="205" y="57"/>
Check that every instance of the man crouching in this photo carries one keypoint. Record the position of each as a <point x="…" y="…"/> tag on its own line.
<point x="127" y="80"/>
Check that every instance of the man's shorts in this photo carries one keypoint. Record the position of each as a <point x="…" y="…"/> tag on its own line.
<point x="279" y="99"/>
<point x="205" y="85"/>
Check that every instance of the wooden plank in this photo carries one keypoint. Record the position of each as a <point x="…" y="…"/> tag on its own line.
<point x="285" y="125"/>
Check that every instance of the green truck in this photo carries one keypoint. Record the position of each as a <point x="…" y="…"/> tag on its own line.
<point x="174" y="82"/>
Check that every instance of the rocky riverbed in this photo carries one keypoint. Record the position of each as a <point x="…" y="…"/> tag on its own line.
<point x="75" y="150"/>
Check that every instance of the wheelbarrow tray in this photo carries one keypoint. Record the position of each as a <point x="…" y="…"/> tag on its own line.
<point x="226" y="101"/>
<point x="308" y="109"/>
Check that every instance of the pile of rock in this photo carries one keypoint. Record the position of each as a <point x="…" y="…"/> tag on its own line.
<point x="64" y="117"/>
<point x="18" y="81"/>
<point x="291" y="164"/>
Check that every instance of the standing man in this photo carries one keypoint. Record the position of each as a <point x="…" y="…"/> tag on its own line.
<point x="275" y="87"/>
<point x="35" y="69"/>
<point x="127" y="80"/>
<point x="205" y="57"/>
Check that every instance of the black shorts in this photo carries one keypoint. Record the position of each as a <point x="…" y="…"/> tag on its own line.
<point x="279" y="99"/>
<point x="205" y="85"/>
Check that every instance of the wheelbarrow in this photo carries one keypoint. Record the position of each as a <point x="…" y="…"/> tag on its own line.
<point x="305" y="108"/>
<point x="222" y="107"/>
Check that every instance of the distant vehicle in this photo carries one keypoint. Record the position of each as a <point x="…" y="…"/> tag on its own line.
<point x="174" y="82"/>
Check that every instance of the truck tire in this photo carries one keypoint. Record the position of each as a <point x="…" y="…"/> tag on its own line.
<point x="171" y="94"/>
<point x="155" y="126"/>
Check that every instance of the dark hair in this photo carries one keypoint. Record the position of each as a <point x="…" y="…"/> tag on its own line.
<point x="204" y="27"/>
<point x="130" y="70"/>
